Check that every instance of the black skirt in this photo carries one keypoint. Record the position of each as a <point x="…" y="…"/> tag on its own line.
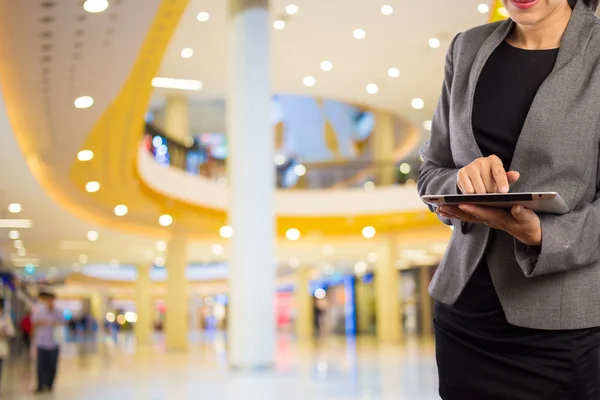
<point x="481" y="356"/>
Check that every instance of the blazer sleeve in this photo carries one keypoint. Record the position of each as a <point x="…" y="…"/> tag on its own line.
<point x="568" y="241"/>
<point x="438" y="173"/>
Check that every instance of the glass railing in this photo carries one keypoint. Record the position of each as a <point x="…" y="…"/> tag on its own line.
<point x="291" y="173"/>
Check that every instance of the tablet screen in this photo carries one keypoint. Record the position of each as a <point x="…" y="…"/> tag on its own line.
<point x="461" y="199"/>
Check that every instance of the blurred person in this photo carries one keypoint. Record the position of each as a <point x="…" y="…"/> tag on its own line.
<point x="517" y="293"/>
<point x="7" y="332"/>
<point x="46" y="318"/>
<point x="26" y="328"/>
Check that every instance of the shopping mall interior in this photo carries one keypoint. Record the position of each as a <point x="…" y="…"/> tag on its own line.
<point x="221" y="194"/>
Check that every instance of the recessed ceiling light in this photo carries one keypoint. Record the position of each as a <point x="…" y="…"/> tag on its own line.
<point x="13" y="223"/>
<point x="216" y="249"/>
<point x="309" y="81"/>
<point x="15" y="208"/>
<point x="427" y="125"/>
<point x="203" y="16"/>
<point x="121" y="210"/>
<point x="165" y="220"/>
<point x="85" y="155"/>
<point x="434" y="43"/>
<point x="83" y="259"/>
<point x="173" y="83"/>
<point x="92" y="187"/>
<point x="92" y="236"/>
<point x="326" y="66"/>
<point x="188" y="52"/>
<point x="14" y="235"/>
<point x="372" y="88"/>
<point x="292" y="9"/>
<point x="279" y="24"/>
<point x="84" y="102"/>
<point x="226" y="232"/>
<point x="280" y="159"/>
<point x="483" y="8"/>
<point x="95" y="6"/>
<point x="417" y="104"/>
<point x="360" y="34"/>
<point x="18" y="244"/>
<point x="22" y="252"/>
<point x="159" y="262"/>
<point x="502" y="11"/>
<point x="294" y="262"/>
<point x="393" y="72"/>
<point x="405" y="168"/>
<point x="161" y="245"/>
<point x="292" y="234"/>
<point x="369" y="186"/>
<point x="387" y="10"/>
<point x="368" y="232"/>
<point x="300" y="170"/>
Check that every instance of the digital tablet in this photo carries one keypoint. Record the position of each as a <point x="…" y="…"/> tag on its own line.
<point x="542" y="202"/>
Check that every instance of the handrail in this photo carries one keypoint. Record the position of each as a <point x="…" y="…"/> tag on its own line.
<point x="291" y="173"/>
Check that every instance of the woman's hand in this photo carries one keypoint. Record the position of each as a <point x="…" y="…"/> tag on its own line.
<point x="521" y="223"/>
<point x="485" y="175"/>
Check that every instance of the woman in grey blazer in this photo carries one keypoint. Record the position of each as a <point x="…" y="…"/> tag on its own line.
<point x="517" y="294"/>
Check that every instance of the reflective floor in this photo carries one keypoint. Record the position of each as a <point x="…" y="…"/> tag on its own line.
<point x="326" y="369"/>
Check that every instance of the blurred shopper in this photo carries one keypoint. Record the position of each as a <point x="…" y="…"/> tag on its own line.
<point x="7" y="332"/>
<point x="46" y="319"/>
<point x="26" y="329"/>
<point x="517" y="310"/>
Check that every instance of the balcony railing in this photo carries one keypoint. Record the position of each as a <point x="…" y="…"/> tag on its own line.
<point x="291" y="173"/>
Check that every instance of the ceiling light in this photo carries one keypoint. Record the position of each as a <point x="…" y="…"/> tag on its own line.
<point x="92" y="187"/>
<point x="372" y="257"/>
<point x="368" y="232"/>
<point x="291" y="9"/>
<point x="115" y="263"/>
<point x="18" y="244"/>
<point x="83" y="259"/>
<point x="405" y="168"/>
<point x="427" y="125"/>
<point x="483" y="8"/>
<point x="279" y="24"/>
<point x="326" y="66"/>
<point x="393" y="72"/>
<point x="216" y="249"/>
<point x="292" y="234"/>
<point x="369" y="186"/>
<point x="159" y="262"/>
<point x="360" y="34"/>
<point x="203" y="16"/>
<point x="434" y="43"/>
<point x="226" y="232"/>
<point x="121" y="210"/>
<point x="15" y="208"/>
<point x="417" y="104"/>
<point x="14" y="235"/>
<point x="92" y="236"/>
<point x="95" y="6"/>
<point x="309" y="81"/>
<point x="387" y="10"/>
<point x="85" y="155"/>
<point x="188" y="52"/>
<point x="294" y="262"/>
<point x="279" y="159"/>
<point x="320" y="293"/>
<point x="161" y="245"/>
<point x="173" y="83"/>
<point x="360" y="268"/>
<point x="165" y="220"/>
<point x="22" y="252"/>
<point x="8" y="223"/>
<point x="84" y="102"/>
<point x="502" y="11"/>
<point x="300" y="170"/>
<point x="372" y="88"/>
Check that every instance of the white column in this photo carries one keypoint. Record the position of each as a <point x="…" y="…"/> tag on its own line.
<point x="177" y="118"/>
<point x="176" y="318"/>
<point x="98" y="308"/>
<point x="143" y="306"/>
<point x="387" y="292"/>
<point x="305" y="308"/>
<point x="252" y="177"/>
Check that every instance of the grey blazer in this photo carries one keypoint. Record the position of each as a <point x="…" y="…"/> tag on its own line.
<point x="557" y="287"/>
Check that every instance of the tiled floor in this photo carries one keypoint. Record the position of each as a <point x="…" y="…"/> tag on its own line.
<point x="328" y="369"/>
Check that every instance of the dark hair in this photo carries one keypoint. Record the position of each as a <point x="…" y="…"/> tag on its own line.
<point x="591" y="4"/>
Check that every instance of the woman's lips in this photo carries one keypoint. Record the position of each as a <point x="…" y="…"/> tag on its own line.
<point x="524" y="4"/>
